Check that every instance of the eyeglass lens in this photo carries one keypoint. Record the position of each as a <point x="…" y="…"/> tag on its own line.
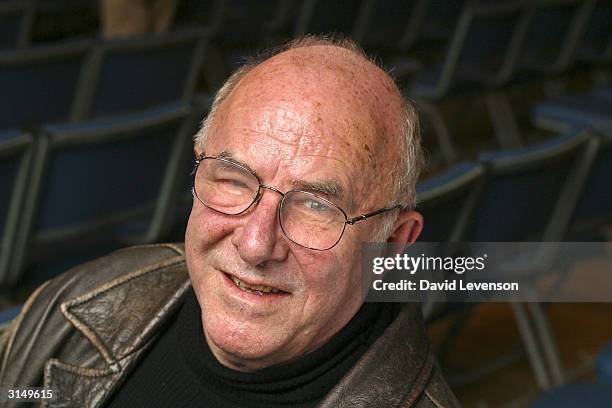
<point x="305" y="218"/>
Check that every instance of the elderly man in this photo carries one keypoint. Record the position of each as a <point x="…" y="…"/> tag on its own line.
<point x="303" y="156"/>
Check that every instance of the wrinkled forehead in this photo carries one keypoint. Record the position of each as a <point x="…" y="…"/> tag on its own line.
<point x="302" y="113"/>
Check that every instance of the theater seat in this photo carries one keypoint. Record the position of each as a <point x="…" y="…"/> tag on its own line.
<point x="563" y="113"/>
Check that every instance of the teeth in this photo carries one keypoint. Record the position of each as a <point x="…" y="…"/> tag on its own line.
<point x="260" y="290"/>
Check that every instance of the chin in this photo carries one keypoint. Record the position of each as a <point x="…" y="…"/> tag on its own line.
<point x="241" y="341"/>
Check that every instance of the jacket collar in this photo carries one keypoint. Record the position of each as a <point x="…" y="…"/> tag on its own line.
<point x="120" y="325"/>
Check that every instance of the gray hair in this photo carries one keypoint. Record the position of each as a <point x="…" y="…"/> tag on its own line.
<point x="404" y="173"/>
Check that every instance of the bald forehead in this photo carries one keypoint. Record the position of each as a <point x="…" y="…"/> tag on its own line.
<point x="331" y="65"/>
<point x="328" y="73"/>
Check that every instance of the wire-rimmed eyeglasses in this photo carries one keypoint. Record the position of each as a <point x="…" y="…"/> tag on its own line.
<point x="305" y="218"/>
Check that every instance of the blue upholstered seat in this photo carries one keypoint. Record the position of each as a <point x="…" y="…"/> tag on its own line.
<point x="563" y="113"/>
<point x="40" y="85"/>
<point x="128" y="75"/>
<point x="102" y="183"/>
<point x="443" y="200"/>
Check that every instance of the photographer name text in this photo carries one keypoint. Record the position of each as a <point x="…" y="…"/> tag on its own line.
<point x="447" y="285"/>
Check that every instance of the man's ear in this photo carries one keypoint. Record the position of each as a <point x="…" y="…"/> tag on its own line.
<point x="407" y="228"/>
<point x="197" y="150"/>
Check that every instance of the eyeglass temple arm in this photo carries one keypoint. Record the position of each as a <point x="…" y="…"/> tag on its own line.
<point x="362" y="217"/>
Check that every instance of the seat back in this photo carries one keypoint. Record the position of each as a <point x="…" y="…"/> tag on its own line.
<point x="594" y="208"/>
<point x="440" y="19"/>
<point x="493" y="40"/>
<point x="15" y="22"/>
<point x="486" y="43"/>
<point x="40" y="85"/>
<point x="529" y="192"/>
<point x="129" y="75"/>
<point x="445" y="201"/>
<point x="324" y="17"/>
<point x="15" y="160"/>
<point x="596" y="42"/>
<point x="248" y="23"/>
<point x="382" y="24"/>
<point x="554" y="33"/>
<point x="210" y="14"/>
<point x="182" y="209"/>
<point x="103" y="181"/>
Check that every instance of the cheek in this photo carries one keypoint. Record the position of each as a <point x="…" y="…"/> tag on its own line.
<point x="333" y="295"/>
<point x="206" y="227"/>
<point x="331" y="280"/>
<point x="205" y="230"/>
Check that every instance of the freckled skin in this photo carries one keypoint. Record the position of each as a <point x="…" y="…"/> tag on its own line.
<point x="296" y="116"/>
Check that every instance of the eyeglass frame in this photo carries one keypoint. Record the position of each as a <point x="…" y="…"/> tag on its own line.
<point x="259" y="195"/>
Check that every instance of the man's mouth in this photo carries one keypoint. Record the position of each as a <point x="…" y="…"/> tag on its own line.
<point x="256" y="289"/>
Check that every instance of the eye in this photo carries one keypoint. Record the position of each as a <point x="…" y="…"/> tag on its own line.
<point x="316" y="206"/>
<point x="237" y="183"/>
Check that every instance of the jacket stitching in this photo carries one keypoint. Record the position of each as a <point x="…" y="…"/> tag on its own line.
<point x="82" y="371"/>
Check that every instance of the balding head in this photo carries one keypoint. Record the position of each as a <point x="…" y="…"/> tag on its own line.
<point x="382" y="127"/>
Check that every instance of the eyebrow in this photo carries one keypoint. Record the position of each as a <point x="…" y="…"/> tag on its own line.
<point x="329" y="188"/>
<point x="227" y="155"/>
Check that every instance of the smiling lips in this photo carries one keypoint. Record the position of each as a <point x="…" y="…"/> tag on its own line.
<point x="256" y="289"/>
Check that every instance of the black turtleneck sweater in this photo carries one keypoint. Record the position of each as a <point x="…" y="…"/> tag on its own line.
<point x="181" y="371"/>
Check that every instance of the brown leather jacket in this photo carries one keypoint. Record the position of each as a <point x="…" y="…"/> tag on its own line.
<point x="81" y="333"/>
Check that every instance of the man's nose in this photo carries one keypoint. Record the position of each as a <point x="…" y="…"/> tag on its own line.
<point x="260" y="238"/>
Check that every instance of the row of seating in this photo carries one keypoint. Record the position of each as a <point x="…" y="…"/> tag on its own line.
<point x="389" y="28"/>
<point x="24" y="23"/>
<point x="485" y="36"/>
<point x="555" y="191"/>
<point x="240" y="23"/>
<point x="73" y="191"/>
<point x="72" y="164"/>
<point x="488" y="45"/>
<point x="82" y="80"/>
<point x="591" y="108"/>
<point x="496" y="45"/>
<point x="542" y="191"/>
